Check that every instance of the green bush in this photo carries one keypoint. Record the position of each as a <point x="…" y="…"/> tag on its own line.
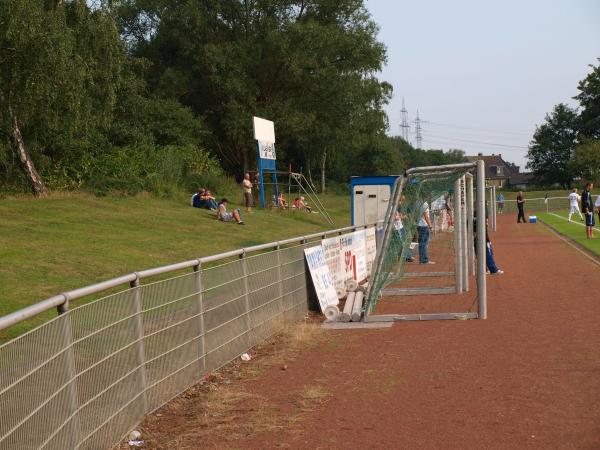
<point x="161" y="170"/>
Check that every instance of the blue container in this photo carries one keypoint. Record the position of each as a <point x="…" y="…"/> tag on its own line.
<point x="532" y="219"/>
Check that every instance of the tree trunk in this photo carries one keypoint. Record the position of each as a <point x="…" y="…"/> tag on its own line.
<point x="323" y="160"/>
<point x="37" y="184"/>
<point x="310" y="180"/>
<point x="244" y="162"/>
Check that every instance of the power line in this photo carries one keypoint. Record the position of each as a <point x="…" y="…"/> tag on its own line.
<point x="481" y="129"/>
<point x="480" y="142"/>
<point x="445" y="143"/>
<point x="479" y="136"/>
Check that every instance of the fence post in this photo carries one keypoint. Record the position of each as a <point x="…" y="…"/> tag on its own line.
<point x="139" y="335"/>
<point x="280" y="278"/>
<point x="200" y="309"/>
<point x="458" y="238"/>
<point x="247" y="297"/>
<point x="67" y="335"/>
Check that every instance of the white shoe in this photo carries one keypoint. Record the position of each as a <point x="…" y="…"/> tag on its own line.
<point x="500" y="272"/>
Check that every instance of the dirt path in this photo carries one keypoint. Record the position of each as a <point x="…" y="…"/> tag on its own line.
<point x="527" y="377"/>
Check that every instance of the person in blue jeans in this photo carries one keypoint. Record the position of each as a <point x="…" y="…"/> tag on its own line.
<point x="423" y="228"/>
<point x="490" y="261"/>
<point x="489" y="257"/>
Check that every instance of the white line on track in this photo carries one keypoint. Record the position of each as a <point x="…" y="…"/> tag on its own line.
<point x="567" y="220"/>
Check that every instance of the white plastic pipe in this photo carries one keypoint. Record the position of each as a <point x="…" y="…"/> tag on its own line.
<point x="346" y="314"/>
<point x="357" y="307"/>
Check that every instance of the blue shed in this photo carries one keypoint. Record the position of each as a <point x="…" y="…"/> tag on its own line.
<point x="369" y="197"/>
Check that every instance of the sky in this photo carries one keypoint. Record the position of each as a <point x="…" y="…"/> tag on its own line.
<point x="484" y="70"/>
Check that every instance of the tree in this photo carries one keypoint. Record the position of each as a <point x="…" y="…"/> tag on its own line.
<point x="589" y="100"/>
<point x="552" y="146"/>
<point x="59" y="67"/>
<point x="308" y="65"/>
<point x="586" y="161"/>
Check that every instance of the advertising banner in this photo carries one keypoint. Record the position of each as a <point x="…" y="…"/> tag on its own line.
<point x="371" y="248"/>
<point x="331" y="250"/>
<point x="322" y="280"/>
<point x="359" y="254"/>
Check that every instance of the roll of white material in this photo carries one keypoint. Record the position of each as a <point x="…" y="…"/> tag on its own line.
<point x="351" y="285"/>
<point x="346" y="314"/>
<point x="341" y="292"/>
<point x="332" y="313"/>
<point x="357" y="306"/>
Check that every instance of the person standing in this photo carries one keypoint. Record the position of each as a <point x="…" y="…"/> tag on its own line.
<point x="574" y="199"/>
<point x="588" y="209"/>
<point x="521" y="207"/>
<point x="500" y="200"/>
<point x="247" y="188"/>
<point x="401" y="233"/>
<point x="597" y="205"/>
<point x="423" y="228"/>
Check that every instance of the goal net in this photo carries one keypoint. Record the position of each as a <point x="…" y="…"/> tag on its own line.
<point x="425" y="265"/>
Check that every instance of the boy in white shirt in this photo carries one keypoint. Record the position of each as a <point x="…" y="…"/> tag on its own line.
<point x="423" y="228"/>
<point x="574" y="199"/>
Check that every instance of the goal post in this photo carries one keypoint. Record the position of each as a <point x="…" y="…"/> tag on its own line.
<point x="431" y="209"/>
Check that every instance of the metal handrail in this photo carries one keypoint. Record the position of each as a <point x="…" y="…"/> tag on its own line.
<point x="61" y="301"/>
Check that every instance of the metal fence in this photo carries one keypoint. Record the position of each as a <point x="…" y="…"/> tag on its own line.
<point x="87" y="377"/>
<point x="536" y="204"/>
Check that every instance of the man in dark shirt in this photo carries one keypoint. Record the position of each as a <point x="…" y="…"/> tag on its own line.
<point x="587" y="207"/>
<point x="521" y="206"/>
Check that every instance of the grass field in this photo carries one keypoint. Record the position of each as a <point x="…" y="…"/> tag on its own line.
<point x="574" y="230"/>
<point x="69" y="241"/>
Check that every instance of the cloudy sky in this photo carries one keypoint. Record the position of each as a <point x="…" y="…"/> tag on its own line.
<point x="484" y="73"/>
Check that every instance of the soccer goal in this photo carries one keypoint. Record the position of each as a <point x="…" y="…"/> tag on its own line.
<point x="426" y="266"/>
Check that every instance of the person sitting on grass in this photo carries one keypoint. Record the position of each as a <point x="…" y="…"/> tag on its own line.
<point x="301" y="205"/>
<point x="197" y="199"/>
<point x="226" y="216"/>
<point x="281" y="201"/>
<point x="209" y="201"/>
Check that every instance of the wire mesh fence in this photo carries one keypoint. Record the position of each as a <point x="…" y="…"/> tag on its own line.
<point x="541" y="204"/>
<point x="87" y="377"/>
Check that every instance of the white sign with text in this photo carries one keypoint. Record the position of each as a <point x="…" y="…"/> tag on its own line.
<point x="321" y="277"/>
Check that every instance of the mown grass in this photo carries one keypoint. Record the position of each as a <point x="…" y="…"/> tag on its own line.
<point x="67" y="241"/>
<point x="574" y="230"/>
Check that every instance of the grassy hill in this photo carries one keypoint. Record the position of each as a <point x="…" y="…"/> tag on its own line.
<point x="68" y="241"/>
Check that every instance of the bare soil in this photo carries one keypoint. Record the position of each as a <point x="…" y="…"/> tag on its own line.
<point x="528" y="377"/>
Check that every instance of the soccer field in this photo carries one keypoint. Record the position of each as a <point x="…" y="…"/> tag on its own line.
<point x="574" y="230"/>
